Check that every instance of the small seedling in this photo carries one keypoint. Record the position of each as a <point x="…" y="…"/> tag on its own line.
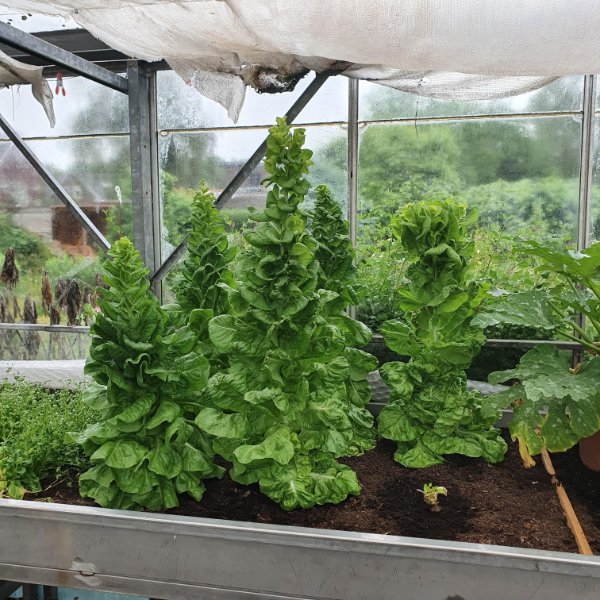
<point x="430" y="495"/>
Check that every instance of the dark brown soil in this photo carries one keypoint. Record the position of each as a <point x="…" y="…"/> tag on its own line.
<point x="503" y="504"/>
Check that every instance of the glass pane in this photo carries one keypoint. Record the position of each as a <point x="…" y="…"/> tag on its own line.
<point x="56" y="260"/>
<point x="595" y="191"/>
<point x="87" y="108"/>
<point x="521" y="174"/>
<point x="380" y="102"/>
<point x="217" y="156"/>
<point x="181" y="106"/>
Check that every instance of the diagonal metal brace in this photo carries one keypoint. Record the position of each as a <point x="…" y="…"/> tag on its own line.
<point x="31" y="44"/>
<point x="54" y="185"/>
<point x="244" y="172"/>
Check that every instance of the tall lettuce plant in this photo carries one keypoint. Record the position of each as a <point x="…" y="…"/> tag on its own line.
<point x="280" y="412"/>
<point x="145" y="448"/>
<point x="431" y="413"/>
<point x="198" y="290"/>
<point x="338" y="274"/>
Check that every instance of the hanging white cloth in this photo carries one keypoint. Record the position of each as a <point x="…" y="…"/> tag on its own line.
<point x="464" y="49"/>
<point x="13" y="72"/>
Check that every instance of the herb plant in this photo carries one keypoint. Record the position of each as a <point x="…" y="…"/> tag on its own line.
<point x="145" y="449"/>
<point x="280" y="412"/>
<point x="32" y="426"/>
<point x="338" y="274"/>
<point x="569" y="397"/>
<point x="430" y="412"/>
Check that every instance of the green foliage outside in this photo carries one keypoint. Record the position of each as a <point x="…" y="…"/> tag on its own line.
<point x="430" y="412"/>
<point x="33" y="422"/>
<point x="148" y="378"/>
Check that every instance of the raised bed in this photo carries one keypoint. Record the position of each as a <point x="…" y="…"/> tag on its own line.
<point x="172" y="556"/>
<point x="167" y="556"/>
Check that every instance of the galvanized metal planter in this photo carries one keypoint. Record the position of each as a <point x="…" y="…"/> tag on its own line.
<point x="171" y="557"/>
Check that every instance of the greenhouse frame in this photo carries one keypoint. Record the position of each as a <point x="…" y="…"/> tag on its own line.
<point x="46" y="547"/>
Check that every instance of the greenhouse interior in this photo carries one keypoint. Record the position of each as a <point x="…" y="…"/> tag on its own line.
<point x="299" y="312"/>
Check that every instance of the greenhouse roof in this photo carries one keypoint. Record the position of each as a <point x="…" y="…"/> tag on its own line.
<point x="462" y="50"/>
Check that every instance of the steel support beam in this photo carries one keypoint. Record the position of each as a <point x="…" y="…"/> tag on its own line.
<point x="144" y="162"/>
<point x="353" y="158"/>
<point x="586" y="171"/>
<point x="352" y="167"/>
<point x="244" y="172"/>
<point x="54" y="185"/>
<point x="587" y="162"/>
<point x="33" y="45"/>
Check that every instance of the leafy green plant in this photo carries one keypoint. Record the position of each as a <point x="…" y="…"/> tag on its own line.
<point x="32" y="425"/>
<point x="198" y="289"/>
<point x="570" y="398"/>
<point x="145" y="448"/>
<point x="338" y="274"/>
<point x="280" y="412"/>
<point x="431" y="494"/>
<point x="430" y="411"/>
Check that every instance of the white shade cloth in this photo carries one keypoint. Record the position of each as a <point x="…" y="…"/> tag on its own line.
<point x="460" y="49"/>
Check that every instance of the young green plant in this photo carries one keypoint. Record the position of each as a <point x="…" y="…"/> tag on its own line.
<point x="431" y="494"/>
<point x="33" y="422"/>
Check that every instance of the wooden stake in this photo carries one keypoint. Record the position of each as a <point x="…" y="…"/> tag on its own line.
<point x="572" y="520"/>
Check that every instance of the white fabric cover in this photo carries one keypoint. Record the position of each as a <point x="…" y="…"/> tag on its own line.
<point x="448" y="49"/>
<point x="53" y="374"/>
<point x="13" y="72"/>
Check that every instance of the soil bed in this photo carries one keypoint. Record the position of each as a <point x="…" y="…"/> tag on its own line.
<point x="503" y="504"/>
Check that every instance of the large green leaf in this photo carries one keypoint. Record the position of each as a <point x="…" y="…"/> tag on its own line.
<point x="222" y="332"/>
<point x="165" y="460"/>
<point x="530" y="309"/>
<point x="231" y="426"/>
<point x="120" y="454"/>
<point x="569" y="398"/>
<point x="277" y="446"/>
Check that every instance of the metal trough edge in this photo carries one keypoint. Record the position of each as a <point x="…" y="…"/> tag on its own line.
<point x="168" y="556"/>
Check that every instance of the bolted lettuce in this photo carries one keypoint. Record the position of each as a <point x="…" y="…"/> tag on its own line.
<point x="148" y="379"/>
<point x="430" y="412"/>
<point x="338" y="274"/>
<point x="280" y="412"/>
<point x="198" y="290"/>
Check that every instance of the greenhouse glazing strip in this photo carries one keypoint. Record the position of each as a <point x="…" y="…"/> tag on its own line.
<point x="143" y="143"/>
